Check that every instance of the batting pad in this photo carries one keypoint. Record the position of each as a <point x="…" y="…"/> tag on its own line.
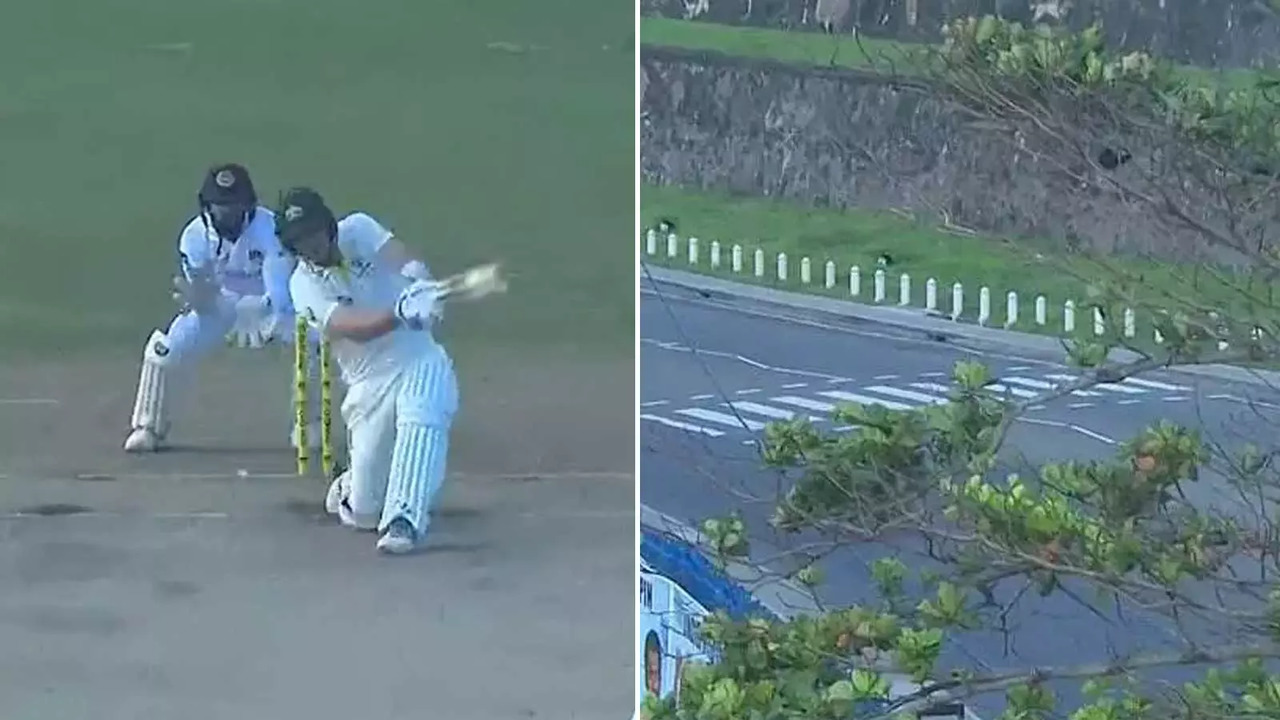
<point x="417" y="472"/>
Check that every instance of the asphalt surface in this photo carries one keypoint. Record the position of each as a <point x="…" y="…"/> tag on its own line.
<point x="701" y="356"/>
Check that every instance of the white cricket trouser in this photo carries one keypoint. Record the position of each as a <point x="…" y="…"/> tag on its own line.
<point x="398" y="440"/>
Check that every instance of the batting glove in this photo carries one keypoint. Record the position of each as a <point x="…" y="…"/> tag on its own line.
<point x="417" y="304"/>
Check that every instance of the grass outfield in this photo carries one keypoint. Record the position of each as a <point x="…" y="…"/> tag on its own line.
<point x="812" y="48"/>
<point x="921" y="250"/>
<point x="477" y="131"/>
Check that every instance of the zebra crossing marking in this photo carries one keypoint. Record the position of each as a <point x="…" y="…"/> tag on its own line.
<point x="864" y="399"/>
<point x="742" y="414"/>
<point x="805" y="403"/>
<point x="682" y="425"/>
<point x="718" y="417"/>
<point x="742" y="406"/>
<point x="908" y="395"/>
<point x="1113" y="387"/>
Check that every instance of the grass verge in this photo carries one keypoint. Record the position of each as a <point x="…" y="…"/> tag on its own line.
<point x="817" y="49"/>
<point x="920" y="250"/>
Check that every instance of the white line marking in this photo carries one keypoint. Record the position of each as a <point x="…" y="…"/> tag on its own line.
<point x="1128" y="402"/>
<point x="1244" y="401"/>
<point x="885" y="377"/>
<point x="1117" y="388"/>
<point x="1016" y="392"/>
<point x="1077" y="406"/>
<point x="682" y="425"/>
<point x="28" y="401"/>
<point x="793" y="386"/>
<point x="1154" y="385"/>
<point x="704" y="396"/>
<point x="762" y="410"/>
<point x="933" y="374"/>
<point x="748" y="391"/>
<point x="1020" y="368"/>
<point x="1029" y="382"/>
<point x="742" y="406"/>
<point x="723" y="419"/>
<point x="805" y="403"/>
<point x="677" y="347"/>
<point x="246" y="475"/>
<point x="897" y="337"/>
<point x="654" y="403"/>
<point x="1067" y="379"/>
<point x="1068" y="426"/>
<point x="935" y="387"/>
<point x="1036" y="407"/>
<point x="108" y="514"/>
<point x="1174" y="398"/>
<point x="864" y="400"/>
<point x="907" y="395"/>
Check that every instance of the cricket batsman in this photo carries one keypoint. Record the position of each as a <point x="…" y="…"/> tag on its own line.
<point x="231" y="244"/>
<point x="375" y="302"/>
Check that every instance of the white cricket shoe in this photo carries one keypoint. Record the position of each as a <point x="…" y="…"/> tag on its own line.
<point x="142" y="440"/>
<point x="337" y="493"/>
<point x="398" y="539"/>
<point x="349" y="518"/>
<point x="335" y="503"/>
<point x="313" y="436"/>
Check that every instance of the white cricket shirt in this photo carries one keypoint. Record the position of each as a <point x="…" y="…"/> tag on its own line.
<point x="363" y="281"/>
<point x="255" y="264"/>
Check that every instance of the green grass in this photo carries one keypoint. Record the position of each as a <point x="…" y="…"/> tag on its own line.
<point x="857" y="237"/>
<point x="498" y="130"/>
<point x="817" y="49"/>
<point x="922" y="250"/>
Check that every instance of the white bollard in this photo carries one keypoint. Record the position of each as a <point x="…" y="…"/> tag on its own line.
<point x="1042" y="311"/>
<point x="878" y="289"/>
<point x="715" y="254"/>
<point x="782" y="266"/>
<point x="651" y="242"/>
<point x="1069" y="316"/>
<point x="1010" y="309"/>
<point x="957" y="301"/>
<point x="759" y="263"/>
<point x="1130" y="323"/>
<point x="1099" y="325"/>
<point x="855" y="281"/>
<point x="931" y="295"/>
<point x="735" y="258"/>
<point x="673" y="246"/>
<point x="829" y="275"/>
<point x="904" y="289"/>
<point x="806" y="271"/>
<point x="984" y="305"/>
<point x="693" y="251"/>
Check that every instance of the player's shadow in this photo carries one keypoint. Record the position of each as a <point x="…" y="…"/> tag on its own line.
<point x="204" y="451"/>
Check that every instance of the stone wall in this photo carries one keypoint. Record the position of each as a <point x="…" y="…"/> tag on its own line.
<point x="840" y="138"/>
<point x="1208" y="33"/>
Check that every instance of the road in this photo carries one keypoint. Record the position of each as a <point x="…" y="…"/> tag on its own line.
<point x="712" y="375"/>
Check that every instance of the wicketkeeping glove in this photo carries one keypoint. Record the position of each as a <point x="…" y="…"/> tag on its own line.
<point x="200" y="293"/>
<point x="254" y="323"/>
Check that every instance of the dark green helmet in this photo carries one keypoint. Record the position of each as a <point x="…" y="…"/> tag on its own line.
<point x="305" y="225"/>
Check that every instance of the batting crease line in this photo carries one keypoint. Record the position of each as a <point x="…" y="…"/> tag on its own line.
<point x="100" y="514"/>
<point x="243" y="474"/>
